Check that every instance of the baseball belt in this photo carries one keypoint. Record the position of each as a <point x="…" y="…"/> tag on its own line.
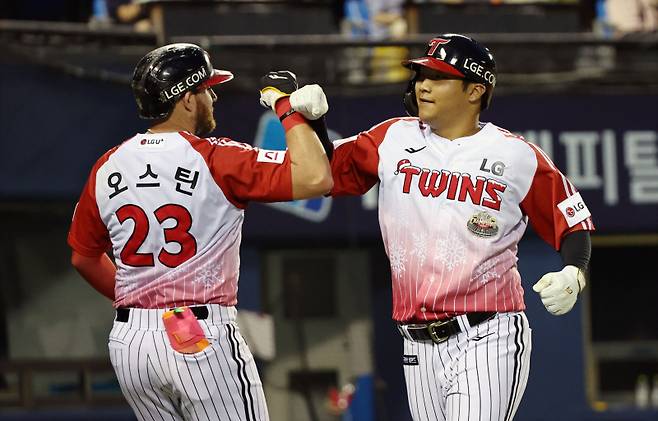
<point x="440" y="330"/>
<point x="201" y="313"/>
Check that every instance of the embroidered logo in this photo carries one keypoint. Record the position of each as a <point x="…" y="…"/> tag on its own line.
<point x="409" y="360"/>
<point x="412" y="150"/>
<point x="483" y="225"/>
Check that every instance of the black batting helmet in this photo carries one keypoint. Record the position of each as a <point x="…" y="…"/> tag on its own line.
<point x="166" y="73"/>
<point x="456" y="55"/>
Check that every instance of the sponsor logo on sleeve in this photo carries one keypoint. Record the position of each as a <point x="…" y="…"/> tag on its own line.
<point x="574" y="210"/>
<point x="272" y="138"/>
<point x="274" y="157"/>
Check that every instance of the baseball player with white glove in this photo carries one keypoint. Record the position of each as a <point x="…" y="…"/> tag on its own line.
<point x="170" y="204"/>
<point x="455" y="197"/>
<point x="559" y="290"/>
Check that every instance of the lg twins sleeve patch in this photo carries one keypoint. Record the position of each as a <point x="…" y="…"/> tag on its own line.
<point x="275" y="157"/>
<point x="574" y="209"/>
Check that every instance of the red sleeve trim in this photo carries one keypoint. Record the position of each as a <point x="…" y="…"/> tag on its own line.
<point x="79" y="248"/>
<point x="548" y="188"/>
<point x="206" y="147"/>
<point x="239" y="174"/>
<point x="87" y="226"/>
<point x="355" y="161"/>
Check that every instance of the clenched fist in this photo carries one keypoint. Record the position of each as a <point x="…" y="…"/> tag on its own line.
<point x="559" y="290"/>
<point x="276" y="85"/>
<point x="310" y="101"/>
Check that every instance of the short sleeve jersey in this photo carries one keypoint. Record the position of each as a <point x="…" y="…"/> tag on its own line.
<point x="171" y="207"/>
<point x="452" y="212"/>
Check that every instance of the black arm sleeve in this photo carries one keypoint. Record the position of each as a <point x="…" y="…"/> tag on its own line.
<point x="576" y="249"/>
<point x="319" y="126"/>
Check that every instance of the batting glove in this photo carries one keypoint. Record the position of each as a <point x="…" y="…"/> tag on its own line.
<point x="559" y="290"/>
<point x="310" y="101"/>
<point x="276" y="85"/>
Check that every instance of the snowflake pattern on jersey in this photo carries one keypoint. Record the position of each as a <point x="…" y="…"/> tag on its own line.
<point x="178" y="273"/>
<point x="398" y="258"/>
<point x="451" y="252"/>
<point x="208" y="276"/>
<point x="486" y="271"/>
<point x="419" y="247"/>
<point x="129" y="286"/>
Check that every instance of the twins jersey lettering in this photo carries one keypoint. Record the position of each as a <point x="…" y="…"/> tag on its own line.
<point x="171" y="206"/>
<point x="452" y="212"/>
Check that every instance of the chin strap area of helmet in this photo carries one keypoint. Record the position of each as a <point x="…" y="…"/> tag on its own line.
<point x="409" y="98"/>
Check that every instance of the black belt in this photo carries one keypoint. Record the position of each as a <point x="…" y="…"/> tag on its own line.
<point x="441" y="330"/>
<point x="201" y="313"/>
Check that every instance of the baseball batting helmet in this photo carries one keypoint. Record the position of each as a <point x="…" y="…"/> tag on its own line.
<point x="456" y="55"/>
<point x="166" y="73"/>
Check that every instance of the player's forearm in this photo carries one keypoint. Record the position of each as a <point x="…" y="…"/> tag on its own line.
<point x="311" y="173"/>
<point x="576" y="249"/>
<point x="99" y="271"/>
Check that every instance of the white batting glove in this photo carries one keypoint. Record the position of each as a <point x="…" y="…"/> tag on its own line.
<point x="559" y="290"/>
<point x="310" y="101"/>
<point x="276" y="85"/>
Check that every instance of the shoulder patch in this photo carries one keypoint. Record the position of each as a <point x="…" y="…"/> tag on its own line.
<point x="574" y="210"/>
<point x="274" y="157"/>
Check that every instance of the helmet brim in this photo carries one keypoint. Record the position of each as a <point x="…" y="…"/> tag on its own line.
<point x="434" y="64"/>
<point x="218" y="76"/>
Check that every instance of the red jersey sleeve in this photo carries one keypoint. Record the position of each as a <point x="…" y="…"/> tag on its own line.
<point x="245" y="173"/>
<point x="88" y="234"/>
<point x="553" y="205"/>
<point x="355" y="161"/>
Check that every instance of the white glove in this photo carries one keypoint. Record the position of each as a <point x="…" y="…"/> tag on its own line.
<point x="276" y="85"/>
<point x="310" y="101"/>
<point x="559" y="290"/>
<point x="269" y="97"/>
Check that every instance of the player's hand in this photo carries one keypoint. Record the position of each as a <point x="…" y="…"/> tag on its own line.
<point x="310" y="101"/>
<point x="276" y="85"/>
<point x="559" y="290"/>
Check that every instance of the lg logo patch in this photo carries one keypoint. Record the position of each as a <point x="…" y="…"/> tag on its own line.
<point x="574" y="210"/>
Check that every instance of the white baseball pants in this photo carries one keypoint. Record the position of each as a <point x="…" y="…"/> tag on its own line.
<point x="479" y="374"/>
<point x="160" y="384"/>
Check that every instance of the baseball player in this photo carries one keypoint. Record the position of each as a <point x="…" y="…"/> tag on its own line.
<point x="170" y="203"/>
<point x="455" y="197"/>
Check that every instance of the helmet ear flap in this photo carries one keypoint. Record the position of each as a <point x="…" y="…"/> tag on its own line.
<point x="409" y="98"/>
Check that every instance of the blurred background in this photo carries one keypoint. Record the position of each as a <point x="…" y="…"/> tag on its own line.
<point x="578" y="78"/>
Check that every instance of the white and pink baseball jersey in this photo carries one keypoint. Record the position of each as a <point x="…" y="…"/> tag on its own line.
<point x="171" y="206"/>
<point x="452" y="212"/>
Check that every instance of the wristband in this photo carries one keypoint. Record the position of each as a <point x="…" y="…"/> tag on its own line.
<point x="289" y="118"/>
<point x="286" y="114"/>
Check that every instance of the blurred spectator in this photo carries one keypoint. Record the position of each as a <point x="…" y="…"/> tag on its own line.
<point x="131" y="12"/>
<point x="356" y="21"/>
<point x="378" y="19"/>
<point x="632" y="15"/>
<point x="375" y="19"/>
<point x="122" y="12"/>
